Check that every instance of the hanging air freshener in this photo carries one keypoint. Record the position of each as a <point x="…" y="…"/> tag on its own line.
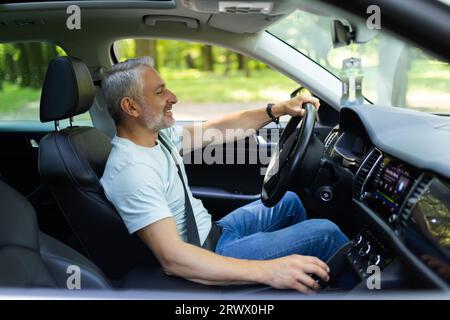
<point x="351" y="77"/>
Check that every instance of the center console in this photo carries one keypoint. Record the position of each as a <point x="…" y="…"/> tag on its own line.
<point x="409" y="215"/>
<point x="367" y="250"/>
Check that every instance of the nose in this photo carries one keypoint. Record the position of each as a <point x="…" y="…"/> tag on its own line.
<point x="173" y="98"/>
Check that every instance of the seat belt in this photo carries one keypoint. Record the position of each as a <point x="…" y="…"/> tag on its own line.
<point x="191" y="225"/>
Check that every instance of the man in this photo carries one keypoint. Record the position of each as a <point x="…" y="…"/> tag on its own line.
<point x="274" y="246"/>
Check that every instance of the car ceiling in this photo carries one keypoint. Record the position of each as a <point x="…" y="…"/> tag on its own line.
<point x="48" y="17"/>
<point x="103" y="22"/>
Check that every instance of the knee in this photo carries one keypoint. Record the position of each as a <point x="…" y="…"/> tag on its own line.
<point x="332" y="232"/>
<point x="296" y="206"/>
<point x="292" y="198"/>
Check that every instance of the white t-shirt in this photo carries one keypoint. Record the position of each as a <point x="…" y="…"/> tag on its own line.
<point x="144" y="186"/>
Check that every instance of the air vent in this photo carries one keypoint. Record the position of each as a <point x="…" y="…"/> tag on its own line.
<point x="365" y="171"/>
<point x="329" y="139"/>
<point x="416" y="192"/>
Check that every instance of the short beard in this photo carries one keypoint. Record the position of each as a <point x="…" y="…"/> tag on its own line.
<point x="157" y="122"/>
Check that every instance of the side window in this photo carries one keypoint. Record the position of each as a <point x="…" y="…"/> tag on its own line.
<point x="209" y="81"/>
<point x="22" y="72"/>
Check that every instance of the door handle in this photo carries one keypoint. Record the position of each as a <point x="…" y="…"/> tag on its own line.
<point x="33" y="143"/>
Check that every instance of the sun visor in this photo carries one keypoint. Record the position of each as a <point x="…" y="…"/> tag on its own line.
<point x="241" y="16"/>
<point x="239" y="23"/>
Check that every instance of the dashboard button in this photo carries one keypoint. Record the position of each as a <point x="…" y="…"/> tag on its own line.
<point x="365" y="250"/>
<point x="366" y="195"/>
<point x="393" y="218"/>
<point x="357" y="240"/>
<point x="374" y="260"/>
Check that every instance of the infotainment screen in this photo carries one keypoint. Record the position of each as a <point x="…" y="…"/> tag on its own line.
<point x="432" y="214"/>
<point x="393" y="182"/>
<point x="427" y="232"/>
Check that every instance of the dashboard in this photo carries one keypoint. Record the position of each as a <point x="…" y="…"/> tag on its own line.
<point x="382" y="183"/>
<point x="406" y="202"/>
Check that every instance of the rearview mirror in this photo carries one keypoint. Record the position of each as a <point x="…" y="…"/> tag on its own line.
<point x="341" y="34"/>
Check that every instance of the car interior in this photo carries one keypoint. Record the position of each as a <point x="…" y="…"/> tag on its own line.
<point x="380" y="172"/>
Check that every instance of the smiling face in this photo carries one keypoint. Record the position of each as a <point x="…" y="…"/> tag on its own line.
<point x="157" y="100"/>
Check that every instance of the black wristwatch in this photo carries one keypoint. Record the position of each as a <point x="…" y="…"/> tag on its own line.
<point x="270" y="114"/>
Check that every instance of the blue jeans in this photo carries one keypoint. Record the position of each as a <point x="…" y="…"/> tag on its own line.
<point x="260" y="233"/>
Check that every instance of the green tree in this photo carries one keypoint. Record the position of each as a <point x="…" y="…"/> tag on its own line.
<point x="50" y="52"/>
<point x="147" y="47"/>
<point x="8" y="66"/>
<point x="228" y="62"/>
<point x="37" y="63"/>
<point x="208" y="58"/>
<point x="23" y="65"/>
<point x="243" y="64"/>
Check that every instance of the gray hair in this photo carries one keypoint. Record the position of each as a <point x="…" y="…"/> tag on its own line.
<point x="123" y="80"/>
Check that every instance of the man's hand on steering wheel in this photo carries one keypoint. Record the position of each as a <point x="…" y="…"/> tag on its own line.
<point x="293" y="107"/>
<point x="297" y="156"/>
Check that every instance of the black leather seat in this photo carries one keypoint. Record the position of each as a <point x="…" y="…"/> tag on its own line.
<point x="30" y="258"/>
<point x="71" y="162"/>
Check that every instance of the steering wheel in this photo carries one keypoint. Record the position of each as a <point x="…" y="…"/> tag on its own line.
<point x="296" y="158"/>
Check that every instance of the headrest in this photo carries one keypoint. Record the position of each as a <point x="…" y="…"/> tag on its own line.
<point x="68" y="89"/>
<point x="18" y="223"/>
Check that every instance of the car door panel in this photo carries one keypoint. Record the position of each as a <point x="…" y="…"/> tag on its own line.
<point x="19" y="148"/>
<point x="230" y="182"/>
<point x="225" y="186"/>
<point x="19" y="155"/>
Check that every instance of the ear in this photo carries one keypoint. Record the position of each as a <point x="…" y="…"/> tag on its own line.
<point x="129" y="107"/>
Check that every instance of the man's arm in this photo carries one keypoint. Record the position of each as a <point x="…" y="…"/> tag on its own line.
<point x="202" y="266"/>
<point x="241" y="124"/>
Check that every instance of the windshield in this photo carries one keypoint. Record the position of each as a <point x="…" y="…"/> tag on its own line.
<point x="394" y="73"/>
